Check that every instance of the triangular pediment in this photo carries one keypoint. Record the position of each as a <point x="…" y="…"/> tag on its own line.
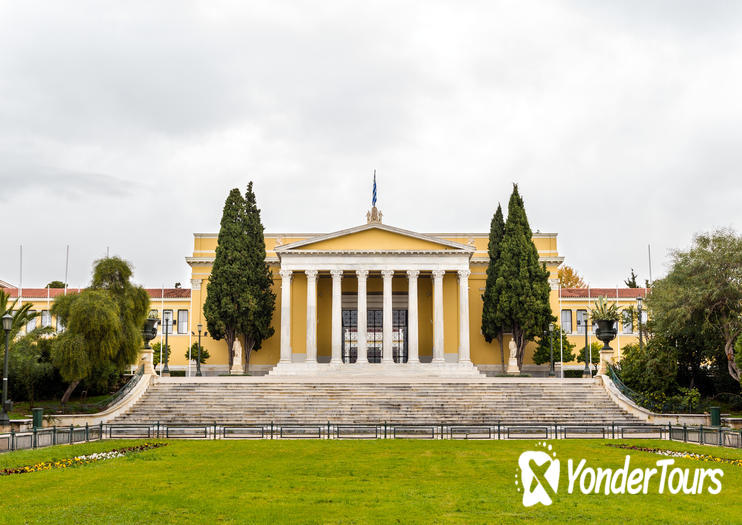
<point x="374" y="237"/>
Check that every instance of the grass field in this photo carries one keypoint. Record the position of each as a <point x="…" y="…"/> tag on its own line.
<point x="342" y="482"/>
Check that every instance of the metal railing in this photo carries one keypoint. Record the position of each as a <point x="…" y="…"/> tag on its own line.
<point x="499" y="430"/>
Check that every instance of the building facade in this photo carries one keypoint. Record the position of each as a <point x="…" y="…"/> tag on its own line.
<point x="369" y="295"/>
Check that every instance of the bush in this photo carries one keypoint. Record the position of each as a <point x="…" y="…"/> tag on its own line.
<point x="194" y="353"/>
<point x="156" y="353"/>
<point x="651" y="369"/>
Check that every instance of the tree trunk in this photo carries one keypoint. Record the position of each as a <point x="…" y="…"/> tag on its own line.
<point x="729" y="350"/>
<point x="520" y="344"/>
<point x="502" y="351"/>
<point x="229" y="337"/>
<point x="249" y="344"/>
<point x="68" y="392"/>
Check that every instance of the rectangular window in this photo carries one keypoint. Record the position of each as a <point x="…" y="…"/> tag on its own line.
<point x="627" y="323"/>
<point x="167" y="321"/>
<point x="60" y="325"/>
<point x="31" y="325"/>
<point x="182" y="321"/>
<point x="567" y="321"/>
<point x="46" y="318"/>
<point x="581" y="321"/>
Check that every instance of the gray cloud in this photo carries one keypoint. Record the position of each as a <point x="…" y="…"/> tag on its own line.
<point x="125" y="125"/>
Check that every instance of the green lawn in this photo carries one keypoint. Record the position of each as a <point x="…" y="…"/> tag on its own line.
<point x="342" y="482"/>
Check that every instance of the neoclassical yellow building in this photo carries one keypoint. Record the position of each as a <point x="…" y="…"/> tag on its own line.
<point x="369" y="298"/>
<point x="376" y="294"/>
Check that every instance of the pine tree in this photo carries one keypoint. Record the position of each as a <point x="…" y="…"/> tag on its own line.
<point x="492" y="324"/>
<point x="256" y="325"/>
<point x="522" y="287"/>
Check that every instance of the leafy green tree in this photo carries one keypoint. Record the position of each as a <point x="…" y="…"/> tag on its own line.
<point x="194" y="353"/>
<point x="543" y="350"/>
<point x="492" y="323"/>
<point x="631" y="281"/>
<point x="703" y="289"/>
<point x="30" y="370"/>
<point x="522" y="286"/>
<point x="56" y="284"/>
<point x="103" y="324"/>
<point x="239" y="298"/>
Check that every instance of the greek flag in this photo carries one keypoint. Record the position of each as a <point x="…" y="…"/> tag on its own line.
<point x="373" y="199"/>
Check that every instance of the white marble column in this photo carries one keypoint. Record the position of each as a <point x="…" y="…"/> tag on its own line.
<point x="464" y="356"/>
<point x="311" y="316"/>
<point x="361" y="341"/>
<point x="337" y="329"/>
<point x="387" y="317"/>
<point x="438" y="316"/>
<point x="412" y="344"/>
<point x="286" y="276"/>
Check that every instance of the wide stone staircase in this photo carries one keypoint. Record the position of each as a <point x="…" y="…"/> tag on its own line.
<point x="568" y="402"/>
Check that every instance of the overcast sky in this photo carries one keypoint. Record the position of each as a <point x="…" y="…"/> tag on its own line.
<point x="125" y="125"/>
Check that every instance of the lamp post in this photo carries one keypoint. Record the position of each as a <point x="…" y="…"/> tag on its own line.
<point x="198" y="359"/>
<point x="7" y="326"/>
<point x="639" y="319"/>
<point x="586" y="372"/>
<point x="168" y="323"/>
<point x="551" y="349"/>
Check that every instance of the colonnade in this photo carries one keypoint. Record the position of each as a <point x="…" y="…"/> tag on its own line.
<point x="412" y="312"/>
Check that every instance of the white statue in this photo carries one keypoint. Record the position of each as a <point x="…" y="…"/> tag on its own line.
<point x="237" y="367"/>
<point x="513" y="361"/>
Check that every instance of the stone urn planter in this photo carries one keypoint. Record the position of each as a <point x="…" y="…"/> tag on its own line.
<point x="148" y="333"/>
<point x="150" y="330"/>
<point x="606" y="332"/>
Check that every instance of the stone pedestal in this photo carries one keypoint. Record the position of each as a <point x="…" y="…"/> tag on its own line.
<point x="606" y="355"/>
<point x="513" y="366"/>
<point x="147" y="361"/>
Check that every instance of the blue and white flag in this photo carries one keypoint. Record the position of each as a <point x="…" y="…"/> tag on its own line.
<point x="373" y="199"/>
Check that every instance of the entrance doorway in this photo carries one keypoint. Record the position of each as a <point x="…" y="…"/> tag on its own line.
<point x="374" y="335"/>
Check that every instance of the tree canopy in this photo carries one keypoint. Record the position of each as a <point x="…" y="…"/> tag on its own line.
<point x="703" y="289"/>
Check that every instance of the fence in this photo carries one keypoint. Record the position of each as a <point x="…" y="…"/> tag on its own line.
<point x="434" y="431"/>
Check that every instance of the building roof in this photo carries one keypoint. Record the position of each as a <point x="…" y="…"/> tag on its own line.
<point x="43" y="293"/>
<point x="608" y="293"/>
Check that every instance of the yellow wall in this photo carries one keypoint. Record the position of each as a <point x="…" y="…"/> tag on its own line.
<point x="481" y="352"/>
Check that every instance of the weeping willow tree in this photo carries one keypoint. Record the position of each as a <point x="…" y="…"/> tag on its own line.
<point x="103" y="324"/>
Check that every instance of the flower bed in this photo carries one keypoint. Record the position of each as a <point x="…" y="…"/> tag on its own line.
<point x="80" y="460"/>
<point x="679" y="454"/>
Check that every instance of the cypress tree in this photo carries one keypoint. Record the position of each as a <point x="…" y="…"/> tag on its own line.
<point x="492" y="324"/>
<point x="239" y="299"/>
<point x="522" y="286"/>
<point x="256" y="325"/>
<point x="226" y="292"/>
